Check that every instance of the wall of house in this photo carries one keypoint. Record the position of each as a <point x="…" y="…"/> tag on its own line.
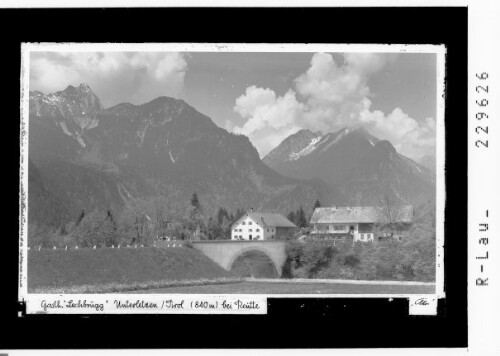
<point x="246" y="227"/>
<point x="365" y="228"/>
<point x="334" y="228"/>
<point x="362" y="231"/>
<point x="364" y="236"/>
<point x="269" y="233"/>
<point x="283" y="232"/>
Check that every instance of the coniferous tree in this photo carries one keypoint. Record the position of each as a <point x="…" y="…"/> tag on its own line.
<point x="291" y="217"/>
<point x="317" y="204"/>
<point x="212" y="229"/>
<point x="221" y="214"/>
<point x="196" y="217"/>
<point x="108" y="229"/>
<point x="225" y="228"/>
<point x="195" y="202"/>
<point x="302" y="220"/>
<point x="239" y="213"/>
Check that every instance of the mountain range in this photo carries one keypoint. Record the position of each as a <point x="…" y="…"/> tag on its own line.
<point x="85" y="156"/>
<point x="363" y="168"/>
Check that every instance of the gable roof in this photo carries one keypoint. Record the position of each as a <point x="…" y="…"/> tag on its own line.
<point x="362" y="214"/>
<point x="268" y="220"/>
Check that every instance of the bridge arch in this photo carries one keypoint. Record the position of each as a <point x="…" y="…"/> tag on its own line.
<point x="225" y="252"/>
<point x="259" y="249"/>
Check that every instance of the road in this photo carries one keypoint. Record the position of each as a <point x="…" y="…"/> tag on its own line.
<point x="259" y="287"/>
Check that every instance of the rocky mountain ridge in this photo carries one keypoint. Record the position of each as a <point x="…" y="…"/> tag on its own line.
<point x="363" y="167"/>
<point x="110" y="158"/>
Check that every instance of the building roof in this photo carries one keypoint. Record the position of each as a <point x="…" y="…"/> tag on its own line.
<point x="269" y="220"/>
<point x="363" y="214"/>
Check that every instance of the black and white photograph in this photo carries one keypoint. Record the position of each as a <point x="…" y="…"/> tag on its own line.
<point x="267" y="170"/>
<point x="250" y="177"/>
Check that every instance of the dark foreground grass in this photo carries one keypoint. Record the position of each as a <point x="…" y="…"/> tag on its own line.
<point x="256" y="287"/>
<point x="114" y="270"/>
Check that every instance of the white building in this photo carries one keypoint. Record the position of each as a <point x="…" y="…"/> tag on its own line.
<point x="359" y="222"/>
<point x="261" y="226"/>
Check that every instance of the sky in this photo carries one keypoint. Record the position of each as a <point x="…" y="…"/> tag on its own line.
<point x="267" y="96"/>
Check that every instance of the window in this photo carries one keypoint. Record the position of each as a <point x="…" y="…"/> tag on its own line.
<point x="338" y="227"/>
<point x="249" y="230"/>
<point x="249" y="223"/>
<point x="257" y="230"/>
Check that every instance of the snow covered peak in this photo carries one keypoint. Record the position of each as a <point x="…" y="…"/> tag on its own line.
<point x="71" y="102"/>
<point x="306" y="143"/>
<point x="306" y="150"/>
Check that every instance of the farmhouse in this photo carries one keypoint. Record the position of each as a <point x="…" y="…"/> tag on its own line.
<point x="361" y="222"/>
<point x="261" y="226"/>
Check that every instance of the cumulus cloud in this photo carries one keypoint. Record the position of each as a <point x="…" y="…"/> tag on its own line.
<point x="135" y="77"/>
<point x="270" y="118"/>
<point x="410" y="137"/>
<point x="328" y="97"/>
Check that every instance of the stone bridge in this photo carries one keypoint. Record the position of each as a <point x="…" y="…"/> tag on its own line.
<point x="225" y="252"/>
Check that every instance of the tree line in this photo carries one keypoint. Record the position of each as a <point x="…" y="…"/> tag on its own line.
<point x="141" y="222"/>
<point x="299" y="216"/>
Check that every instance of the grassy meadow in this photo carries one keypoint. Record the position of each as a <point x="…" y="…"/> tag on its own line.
<point x="113" y="270"/>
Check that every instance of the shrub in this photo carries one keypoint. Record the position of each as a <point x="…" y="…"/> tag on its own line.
<point x="351" y="260"/>
<point x="96" y="229"/>
<point x="411" y="259"/>
<point x="307" y="259"/>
